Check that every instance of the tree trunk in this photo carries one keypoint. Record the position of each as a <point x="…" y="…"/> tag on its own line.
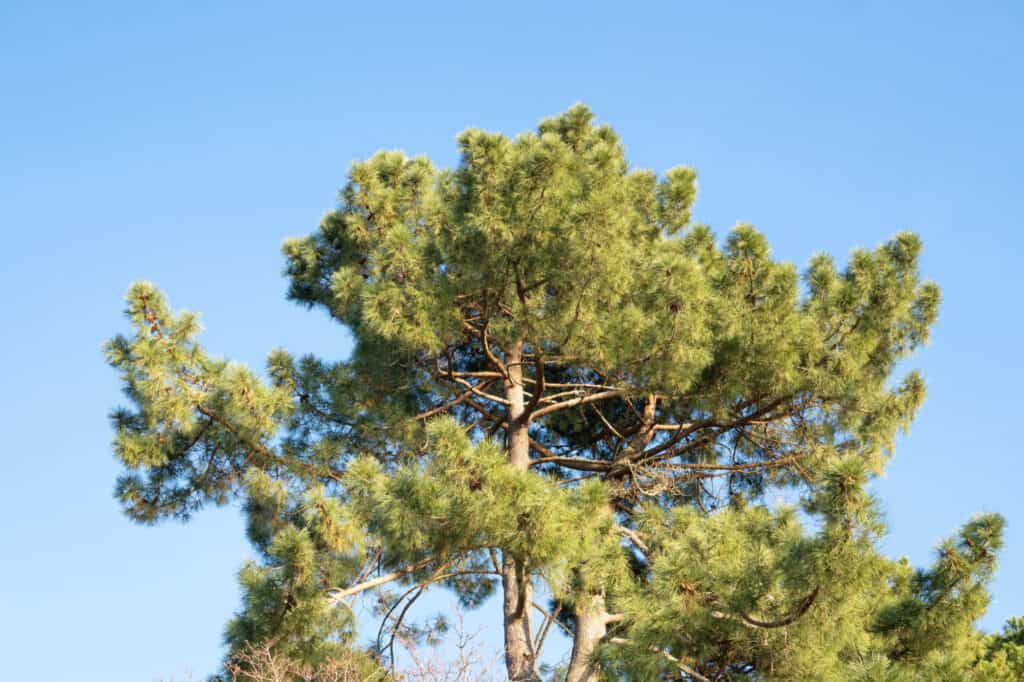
<point x="518" y="420"/>
<point x="591" y="627"/>
<point x="520" y="654"/>
<point x="520" y="651"/>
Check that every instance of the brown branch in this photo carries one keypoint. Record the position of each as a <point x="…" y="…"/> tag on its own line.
<point x="482" y="335"/>
<point x="447" y="406"/>
<point x="552" y="617"/>
<point x="499" y="421"/>
<point x="490" y="355"/>
<point x="666" y="447"/>
<point x="369" y="566"/>
<point x="539" y="387"/>
<point x="577" y="463"/>
<point x="557" y="622"/>
<point x="541" y="449"/>
<point x="600" y="415"/>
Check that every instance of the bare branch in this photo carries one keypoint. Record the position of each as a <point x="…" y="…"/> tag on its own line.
<point x="337" y="594"/>
<point x="593" y="397"/>
<point x="475" y="390"/>
<point x="633" y="537"/>
<point x="448" y="405"/>
<point x="551" y="617"/>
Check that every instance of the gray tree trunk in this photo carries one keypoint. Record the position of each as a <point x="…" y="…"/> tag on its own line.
<point x="591" y="627"/>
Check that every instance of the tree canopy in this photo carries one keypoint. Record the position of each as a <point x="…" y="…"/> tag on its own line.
<point x="560" y="380"/>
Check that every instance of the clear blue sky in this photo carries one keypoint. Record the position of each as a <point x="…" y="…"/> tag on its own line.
<point x="182" y="142"/>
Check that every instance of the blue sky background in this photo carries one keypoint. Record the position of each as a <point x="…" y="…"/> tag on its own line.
<point x="182" y="142"/>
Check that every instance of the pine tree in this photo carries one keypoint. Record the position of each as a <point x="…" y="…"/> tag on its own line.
<point x="558" y="379"/>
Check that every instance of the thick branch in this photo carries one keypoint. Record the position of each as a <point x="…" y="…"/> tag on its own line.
<point x="593" y="397"/>
<point x="577" y="463"/>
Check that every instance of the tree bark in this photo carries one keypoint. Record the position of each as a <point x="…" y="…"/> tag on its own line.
<point x="591" y="627"/>
<point x="520" y="650"/>
<point x="518" y="420"/>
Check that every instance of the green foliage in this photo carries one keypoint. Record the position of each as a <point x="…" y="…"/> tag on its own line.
<point x="936" y="609"/>
<point x="662" y="386"/>
<point x="198" y="424"/>
<point x="1002" y="657"/>
<point x="308" y="543"/>
<point x="465" y="499"/>
<point x="757" y="593"/>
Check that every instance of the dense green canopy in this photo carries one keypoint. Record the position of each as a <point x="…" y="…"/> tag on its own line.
<point x="558" y="379"/>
